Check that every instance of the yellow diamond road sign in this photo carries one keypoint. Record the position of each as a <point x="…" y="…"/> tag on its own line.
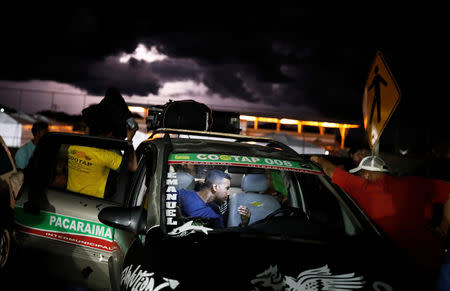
<point x="381" y="96"/>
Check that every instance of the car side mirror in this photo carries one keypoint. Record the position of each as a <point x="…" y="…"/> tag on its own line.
<point x="130" y="219"/>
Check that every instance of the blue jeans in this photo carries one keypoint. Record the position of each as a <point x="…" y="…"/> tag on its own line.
<point x="443" y="283"/>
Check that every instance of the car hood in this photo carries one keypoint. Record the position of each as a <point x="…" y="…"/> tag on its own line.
<point x="251" y="261"/>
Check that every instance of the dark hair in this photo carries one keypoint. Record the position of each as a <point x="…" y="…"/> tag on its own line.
<point x="354" y="149"/>
<point x="110" y="115"/>
<point x="38" y="126"/>
<point x="98" y="120"/>
<point x="215" y="176"/>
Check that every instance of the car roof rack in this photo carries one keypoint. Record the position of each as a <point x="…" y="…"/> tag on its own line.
<point x="237" y="137"/>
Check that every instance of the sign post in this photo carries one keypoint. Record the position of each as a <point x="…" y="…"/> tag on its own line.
<point x="381" y="97"/>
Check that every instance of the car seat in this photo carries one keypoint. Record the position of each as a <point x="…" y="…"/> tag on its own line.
<point x="185" y="181"/>
<point x="260" y="204"/>
<point x="235" y="185"/>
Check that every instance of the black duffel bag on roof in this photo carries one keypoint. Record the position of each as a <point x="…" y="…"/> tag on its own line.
<point x="187" y="114"/>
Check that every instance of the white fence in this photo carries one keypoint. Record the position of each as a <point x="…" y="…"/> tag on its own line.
<point x="32" y="100"/>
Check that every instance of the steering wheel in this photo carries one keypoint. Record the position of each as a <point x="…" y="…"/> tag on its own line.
<point x="286" y="211"/>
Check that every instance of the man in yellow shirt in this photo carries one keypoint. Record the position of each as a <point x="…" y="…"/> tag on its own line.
<point x="89" y="169"/>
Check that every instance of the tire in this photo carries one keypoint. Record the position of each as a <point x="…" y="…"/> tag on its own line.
<point x="6" y="239"/>
<point x="5" y="247"/>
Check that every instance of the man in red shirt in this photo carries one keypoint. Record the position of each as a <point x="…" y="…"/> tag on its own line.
<point x="400" y="206"/>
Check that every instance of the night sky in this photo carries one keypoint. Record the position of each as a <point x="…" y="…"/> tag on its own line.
<point x="314" y="62"/>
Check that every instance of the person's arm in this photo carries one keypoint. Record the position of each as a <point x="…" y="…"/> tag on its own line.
<point x="20" y="159"/>
<point x="327" y="166"/>
<point x="132" y="160"/>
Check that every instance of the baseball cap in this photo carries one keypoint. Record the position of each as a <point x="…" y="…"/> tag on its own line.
<point x="371" y="163"/>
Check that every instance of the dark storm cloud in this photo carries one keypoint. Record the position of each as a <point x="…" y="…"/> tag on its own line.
<point x="227" y="81"/>
<point x="171" y="70"/>
<point x="137" y="77"/>
<point x="271" y="53"/>
<point x="132" y="78"/>
<point x="250" y="49"/>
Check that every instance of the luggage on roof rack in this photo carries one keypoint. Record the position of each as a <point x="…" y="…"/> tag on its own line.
<point x="226" y="121"/>
<point x="192" y="115"/>
<point x="183" y="114"/>
<point x="187" y="114"/>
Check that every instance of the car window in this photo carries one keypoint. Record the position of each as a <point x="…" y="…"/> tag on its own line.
<point x="322" y="203"/>
<point x="91" y="171"/>
<point x="285" y="197"/>
<point x="5" y="163"/>
<point x="140" y="194"/>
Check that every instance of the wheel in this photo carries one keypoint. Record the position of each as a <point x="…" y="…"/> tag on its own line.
<point x="5" y="247"/>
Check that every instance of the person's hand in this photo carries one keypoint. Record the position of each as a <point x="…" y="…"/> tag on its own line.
<point x="245" y="214"/>
<point x="327" y="166"/>
<point x="130" y="133"/>
<point x="315" y="159"/>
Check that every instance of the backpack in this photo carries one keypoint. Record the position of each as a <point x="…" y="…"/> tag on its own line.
<point x="187" y="114"/>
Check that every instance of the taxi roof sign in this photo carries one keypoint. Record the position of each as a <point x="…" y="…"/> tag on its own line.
<point x="381" y="97"/>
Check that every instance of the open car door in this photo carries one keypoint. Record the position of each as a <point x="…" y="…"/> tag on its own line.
<point x="56" y="213"/>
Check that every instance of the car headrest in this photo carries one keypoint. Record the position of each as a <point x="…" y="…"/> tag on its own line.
<point x="257" y="183"/>
<point x="236" y="179"/>
<point x="185" y="181"/>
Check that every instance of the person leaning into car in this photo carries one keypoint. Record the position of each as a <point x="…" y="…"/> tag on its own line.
<point x="202" y="203"/>
<point x="25" y="152"/>
<point x="89" y="167"/>
<point x="400" y="206"/>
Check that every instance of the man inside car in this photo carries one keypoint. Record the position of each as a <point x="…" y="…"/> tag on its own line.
<point x="203" y="203"/>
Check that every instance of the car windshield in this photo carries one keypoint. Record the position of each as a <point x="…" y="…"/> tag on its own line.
<point x="285" y="197"/>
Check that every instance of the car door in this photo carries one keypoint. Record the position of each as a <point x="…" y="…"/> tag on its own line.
<point x="139" y="196"/>
<point x="60" y="223"/>
<point x="11" y="181"/>
<point x="9" y="173"/>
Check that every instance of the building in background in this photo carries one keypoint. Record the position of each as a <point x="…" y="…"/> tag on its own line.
<point x="10" y="130"/>
<point x="15" y="127"/>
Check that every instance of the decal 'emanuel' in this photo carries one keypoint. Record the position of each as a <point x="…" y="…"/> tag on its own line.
<point x="171" y="198"/>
